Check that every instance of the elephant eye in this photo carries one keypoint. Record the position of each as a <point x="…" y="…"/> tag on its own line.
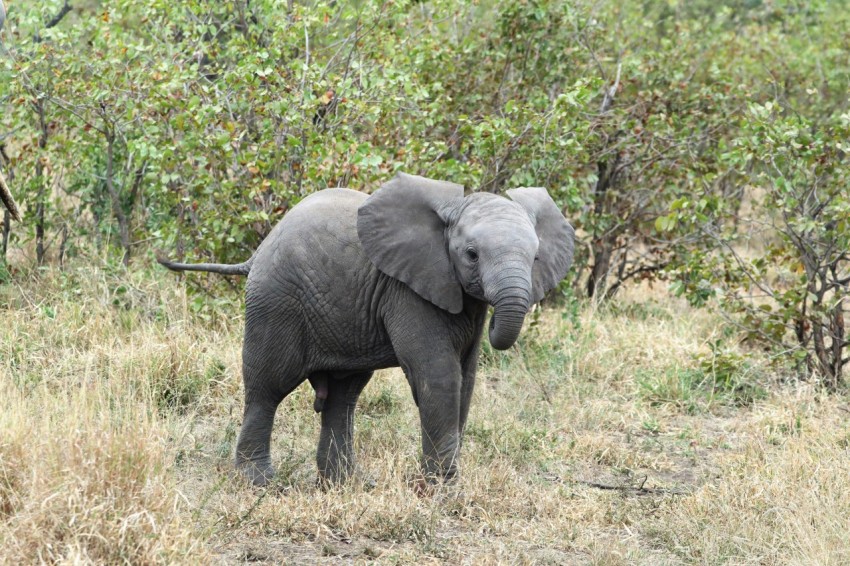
<point x="471" y="254"/>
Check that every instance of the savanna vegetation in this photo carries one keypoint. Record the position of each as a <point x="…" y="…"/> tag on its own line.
<point x="680" y="399"/>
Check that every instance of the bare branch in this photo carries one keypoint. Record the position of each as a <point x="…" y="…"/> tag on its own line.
<point x="54" y="21"/>
<point x="608" y="99"/>
<point x="740" y="262"/>
<point x="306" y="60"/>
<point x="8" y="201"/>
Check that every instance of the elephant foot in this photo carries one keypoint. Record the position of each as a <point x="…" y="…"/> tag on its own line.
<point x="260" y="474"/>
<point x="431" y="485"/>
<point x="423" y="488"/>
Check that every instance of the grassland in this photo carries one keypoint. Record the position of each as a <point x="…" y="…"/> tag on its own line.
<point x="641" y="432"/>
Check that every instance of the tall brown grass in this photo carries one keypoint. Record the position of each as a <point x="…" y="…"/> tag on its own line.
<point x="625" y="435"/>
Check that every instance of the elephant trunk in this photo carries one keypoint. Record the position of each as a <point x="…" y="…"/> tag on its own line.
<point x="510" y="301"/>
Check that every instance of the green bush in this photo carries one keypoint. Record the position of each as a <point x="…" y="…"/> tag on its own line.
<point x="699" y="142"/>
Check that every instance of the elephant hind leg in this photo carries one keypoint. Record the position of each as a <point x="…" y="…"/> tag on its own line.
<point x="335" y="454"/>
<point x="262" y="397"/>
<point x="272" y="367"/>
<point x="253" y="455"/>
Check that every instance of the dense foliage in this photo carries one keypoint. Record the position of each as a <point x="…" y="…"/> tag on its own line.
<point x="701" y="142"/>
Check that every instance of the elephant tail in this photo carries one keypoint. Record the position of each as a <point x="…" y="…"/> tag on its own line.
<point x="224" y="268"/>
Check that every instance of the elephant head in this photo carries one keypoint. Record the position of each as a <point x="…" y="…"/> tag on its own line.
<point x="507" y="252"/>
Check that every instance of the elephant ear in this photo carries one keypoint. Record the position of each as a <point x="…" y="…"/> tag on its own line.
<point x="557" y="237"/>
<point x="402" y="230"/>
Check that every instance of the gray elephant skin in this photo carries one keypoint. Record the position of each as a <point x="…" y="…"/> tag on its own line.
<point x="349" y="283"/>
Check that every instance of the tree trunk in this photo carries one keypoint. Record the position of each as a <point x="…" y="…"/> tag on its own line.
<point x="596" y="282"/>
<point x="837" y="331"/>
<point x="7" y="215"/>
<point x="7" y="229"/>
<point x="63" y="246"/>
<point x="39" y="221"/>
<point x="603" y="245"/>
<point x="117" y="209"/>
<point x="41" y="182"/>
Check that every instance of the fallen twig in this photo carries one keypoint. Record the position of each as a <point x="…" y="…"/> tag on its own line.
<point x="637" y="489"/>
<point x="640" y="489"/>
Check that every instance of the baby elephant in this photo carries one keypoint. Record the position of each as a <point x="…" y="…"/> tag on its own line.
<point x="348" y="283"/>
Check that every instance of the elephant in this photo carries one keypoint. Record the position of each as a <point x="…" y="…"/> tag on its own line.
<point x="349" y="283"/>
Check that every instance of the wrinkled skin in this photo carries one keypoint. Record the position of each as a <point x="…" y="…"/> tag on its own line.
<point x="348" y="283"/>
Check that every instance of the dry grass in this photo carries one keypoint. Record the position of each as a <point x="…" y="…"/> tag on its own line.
<point x="119" y="409"/>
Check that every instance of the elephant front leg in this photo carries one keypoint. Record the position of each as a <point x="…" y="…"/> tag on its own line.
<point x="469" y="367"/>
<point x="439" y="393"/>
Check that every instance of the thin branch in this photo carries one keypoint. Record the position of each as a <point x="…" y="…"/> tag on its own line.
<point x="66" y="8"/>
<point x="608" y="99"/>
<point x="581" y="36"/>
<point x="740" y="262"/>
<point x="306" y="61"/>
<point x="54" y="21"/>
<point x="69" y="108"/>
<point x="636" y="489"/>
